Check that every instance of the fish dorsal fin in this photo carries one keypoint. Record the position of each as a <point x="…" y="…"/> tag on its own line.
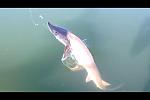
<point x="88" y="79"/>
<point x="85" y="42"/>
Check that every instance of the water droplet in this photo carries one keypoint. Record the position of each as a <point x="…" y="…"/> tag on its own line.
<point x="41" y="17"/>
<point x="36" y="24"/>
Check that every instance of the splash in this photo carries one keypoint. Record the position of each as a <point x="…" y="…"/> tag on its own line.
<point x="37" y="19"/>
<point x="41" y="17"/>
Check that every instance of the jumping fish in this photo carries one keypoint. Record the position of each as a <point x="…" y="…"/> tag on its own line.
<point x="81" y="53"/>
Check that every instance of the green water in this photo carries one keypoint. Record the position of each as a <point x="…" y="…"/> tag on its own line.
<point x="30" y="56"/>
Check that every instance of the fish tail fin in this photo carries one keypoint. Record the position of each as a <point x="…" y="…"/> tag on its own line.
<point x="103" y="85"/>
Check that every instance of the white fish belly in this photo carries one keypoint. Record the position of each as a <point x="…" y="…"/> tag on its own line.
<point x="80" y="54"/>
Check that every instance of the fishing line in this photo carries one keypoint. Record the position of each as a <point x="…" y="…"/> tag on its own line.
<point x="40" y="18"/>
<point x="31" y="17"/>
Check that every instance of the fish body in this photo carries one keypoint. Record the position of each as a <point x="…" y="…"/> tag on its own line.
<point x="81" y="53"/>
<point x="85" y="59"/>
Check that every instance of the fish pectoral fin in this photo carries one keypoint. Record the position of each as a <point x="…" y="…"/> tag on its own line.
<point x="88" y="79"/>
<point x="76" y="68"/>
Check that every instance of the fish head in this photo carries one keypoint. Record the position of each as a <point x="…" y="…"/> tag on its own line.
<point x="59" y="33"/>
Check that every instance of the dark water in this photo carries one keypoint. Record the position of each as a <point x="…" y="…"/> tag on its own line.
<point x="30" y="56"/>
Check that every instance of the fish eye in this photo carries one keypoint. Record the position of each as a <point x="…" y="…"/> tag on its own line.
<point x="56" y="32"/>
